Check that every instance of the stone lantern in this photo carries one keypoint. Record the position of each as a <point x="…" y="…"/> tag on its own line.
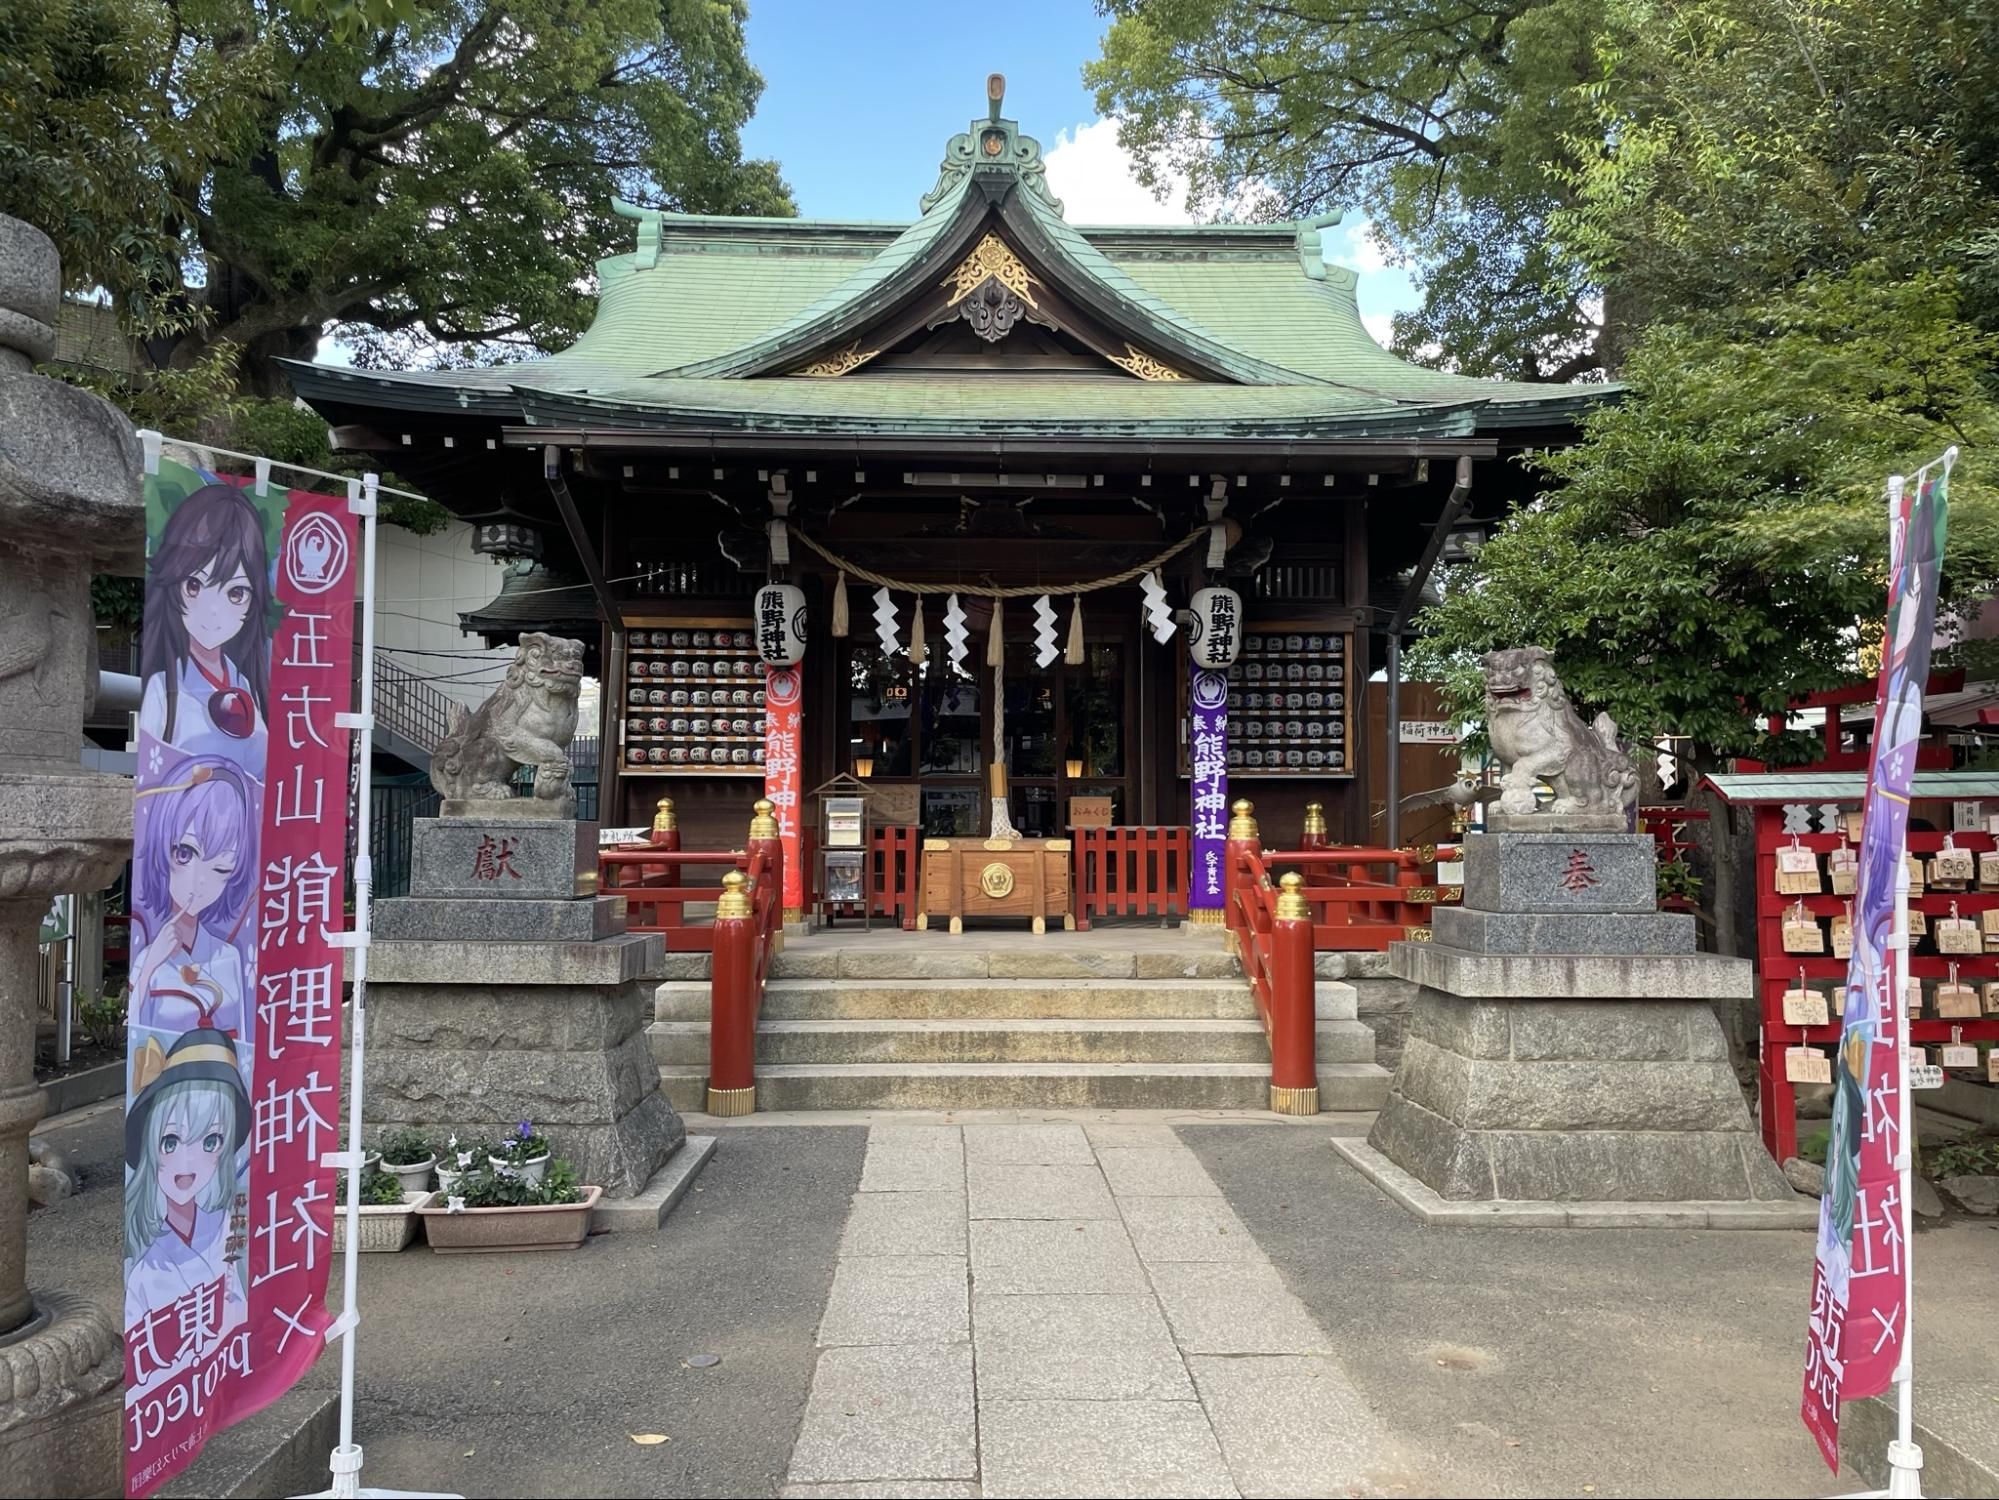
<point x="70" y="473"/>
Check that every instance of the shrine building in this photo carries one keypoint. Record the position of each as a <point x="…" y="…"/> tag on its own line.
<point x="994" y="396"/>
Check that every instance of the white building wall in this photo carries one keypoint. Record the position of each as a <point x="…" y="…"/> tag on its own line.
<point x="423" y="583"/>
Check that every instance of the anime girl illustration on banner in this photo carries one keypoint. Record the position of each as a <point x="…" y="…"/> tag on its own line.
<point x="205" y="649"/>
<point x="194" y="883"/>
<point x="184" y="1172"/>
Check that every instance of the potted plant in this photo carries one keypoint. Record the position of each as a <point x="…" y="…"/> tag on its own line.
<point x="409" y="1156"/>
<point x="524" y="1149"/>
<point x="497" y="1207"/>
<point x="388" y="1213"/>
<point x="459" y="1158"/>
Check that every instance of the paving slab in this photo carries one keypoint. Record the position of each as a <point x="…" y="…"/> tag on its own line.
<point x="896" y="1299"/>
<point x="905" y="1224"/>
<point x="1122" y="1136"/>
<point x="1155" y="1171"/>
<point x="1294" y="1425"/>
<point x="1091" y="1448"/>
<point x="1027" y="1256"/>
<point x="1235" y="1308"/>
<point x="1010" y="1190"/>
<point x="1042" y="1145"/>
<point x="1181" y="1229"/>
<point x="913" y="1160"/>
<point x="898" y="1412"/>
<point x="1079" y="1348"/>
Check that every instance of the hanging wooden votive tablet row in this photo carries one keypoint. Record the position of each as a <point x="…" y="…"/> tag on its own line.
<point x="1797" y="870"/>
<point x="1952" y="868"/>
<point x="1957" y="1052"/>
<point x="1988" y="869"/>
<point x="1842" y="933"/>
<point x="1802" y="933"/>
<point x="1990" y="993"/>
<point x="1843" y="869"/>
<point x="1915" y="865"/>
<point x="1807" y="1065"/>
<point x="1919" y="924"/>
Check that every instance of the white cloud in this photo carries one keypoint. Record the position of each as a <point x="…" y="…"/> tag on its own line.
<point x="1094" y="177"/>
<point x="1380" y="326"/>
<point x="1360" y="248"/>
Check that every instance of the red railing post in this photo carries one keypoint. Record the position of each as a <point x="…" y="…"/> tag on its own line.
<point x="765" y="842"/>
<point x="1244" y="840"/>
<point x="732" y="1021"/>
<point x="1294" y="1070"/>
<point x="1314" y="835"/>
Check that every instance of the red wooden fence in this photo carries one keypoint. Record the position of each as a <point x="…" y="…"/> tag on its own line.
<point x="1129" y="872"/>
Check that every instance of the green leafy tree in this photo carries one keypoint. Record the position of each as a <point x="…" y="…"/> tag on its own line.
<point x="1438" y="118"/>
<point x="432" y="176"/>
<point x="1710" y="550"/>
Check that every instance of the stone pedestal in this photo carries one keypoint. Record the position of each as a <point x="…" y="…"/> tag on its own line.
<point x="505" y="992"/>
<point x="1562" y="1048"/>
<point x="69" y="506"/>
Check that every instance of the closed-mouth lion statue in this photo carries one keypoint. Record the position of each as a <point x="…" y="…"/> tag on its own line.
<point x="529" y="721"/>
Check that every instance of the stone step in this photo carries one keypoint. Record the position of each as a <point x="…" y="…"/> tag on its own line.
<point x="685" y="1043"/>
<point x="1084" y="958"/>
<point x="974" y="999"/>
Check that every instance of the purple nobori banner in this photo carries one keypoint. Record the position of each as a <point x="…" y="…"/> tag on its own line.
<point x="1208" y="755"/>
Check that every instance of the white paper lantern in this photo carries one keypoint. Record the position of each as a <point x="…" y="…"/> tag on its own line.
<point x="780" y="620"/>
<point x="1214" y="632"/>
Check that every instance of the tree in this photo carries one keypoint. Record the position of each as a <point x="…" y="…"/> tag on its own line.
<point x="1709" y="552"/>
<point x="439" y="179"/>
<point x="1438" y="118"/>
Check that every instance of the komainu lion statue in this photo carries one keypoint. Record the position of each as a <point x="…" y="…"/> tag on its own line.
<point x="1539" y="736"/>
<point x="529" y="721"/>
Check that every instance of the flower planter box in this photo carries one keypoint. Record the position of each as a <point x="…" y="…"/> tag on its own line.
<point x="415" y="1176"/>
<point x="384" y="1226"/>
<point x="482" y="1231"/>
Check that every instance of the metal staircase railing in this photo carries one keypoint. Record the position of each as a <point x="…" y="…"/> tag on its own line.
<point x="408" y="706"/>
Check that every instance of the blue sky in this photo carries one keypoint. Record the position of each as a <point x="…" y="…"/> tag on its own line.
<point x="859" y="99"/>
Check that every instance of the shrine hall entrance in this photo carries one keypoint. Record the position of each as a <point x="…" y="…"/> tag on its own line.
<point x="923" y="738"/>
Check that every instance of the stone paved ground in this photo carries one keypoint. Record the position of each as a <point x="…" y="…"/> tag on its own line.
<point x="1084" y="1304"/>
<point x="1069" y="1309"/>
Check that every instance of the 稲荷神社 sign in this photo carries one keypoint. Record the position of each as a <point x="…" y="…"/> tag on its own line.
<point x="238" y="869"/>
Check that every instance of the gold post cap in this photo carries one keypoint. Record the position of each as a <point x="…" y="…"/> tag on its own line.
<point x="763" y="819"/>
<point x="1315" y="817"/>
<point x="662" y="818"/>
<point x="1242" y="823"/>
<point x="735" y="900"/>
<point x="1291" y="903"/>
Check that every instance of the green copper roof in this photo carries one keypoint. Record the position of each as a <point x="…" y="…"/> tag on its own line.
<point x="702" y="318"/>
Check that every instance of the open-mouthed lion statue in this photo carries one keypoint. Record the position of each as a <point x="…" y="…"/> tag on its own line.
<point x="529" y="721"/>
<point x="1540" y="737"/>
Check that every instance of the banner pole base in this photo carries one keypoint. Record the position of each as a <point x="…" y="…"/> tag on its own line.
<point x="346" y="1466"/>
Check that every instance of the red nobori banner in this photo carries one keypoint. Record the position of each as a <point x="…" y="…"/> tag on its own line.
<point x="784" y="698"/>
<point x="1860" y="1273"/>
<point x="239" y="854"/>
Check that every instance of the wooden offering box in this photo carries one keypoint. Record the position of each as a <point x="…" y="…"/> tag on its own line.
<point x="995" y="878"/>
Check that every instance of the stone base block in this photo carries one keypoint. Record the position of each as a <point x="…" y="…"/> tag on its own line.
<point x="646" y="1210"/>
<point x="509" y="809"/>
<point x="1799" y="1215"/>
<point x="509" y="858"/>
<point x="486" y="918"/>
<point x="1561" y="872"/>
<point x="501" y="963"/>
<point x="61" y="1426"/>
<point x="1498" y="820"/>
<point x="448" y="1057"/>
<point x="1569" y="1101"/>
<point x="1597" y="932"/>
<point x="1549" y="976"/>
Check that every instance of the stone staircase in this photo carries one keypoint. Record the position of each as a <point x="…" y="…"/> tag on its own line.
<point x="912" y="1025"/>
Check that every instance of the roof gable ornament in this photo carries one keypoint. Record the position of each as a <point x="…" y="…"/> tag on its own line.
<point x="993" y="152"/>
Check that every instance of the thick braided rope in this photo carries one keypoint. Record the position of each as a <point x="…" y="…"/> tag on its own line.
<point x="1024" y="591"/>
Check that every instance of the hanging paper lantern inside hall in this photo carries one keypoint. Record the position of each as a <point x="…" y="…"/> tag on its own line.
<point x="1214" y="631"/>
<point x="780" y="617"/>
